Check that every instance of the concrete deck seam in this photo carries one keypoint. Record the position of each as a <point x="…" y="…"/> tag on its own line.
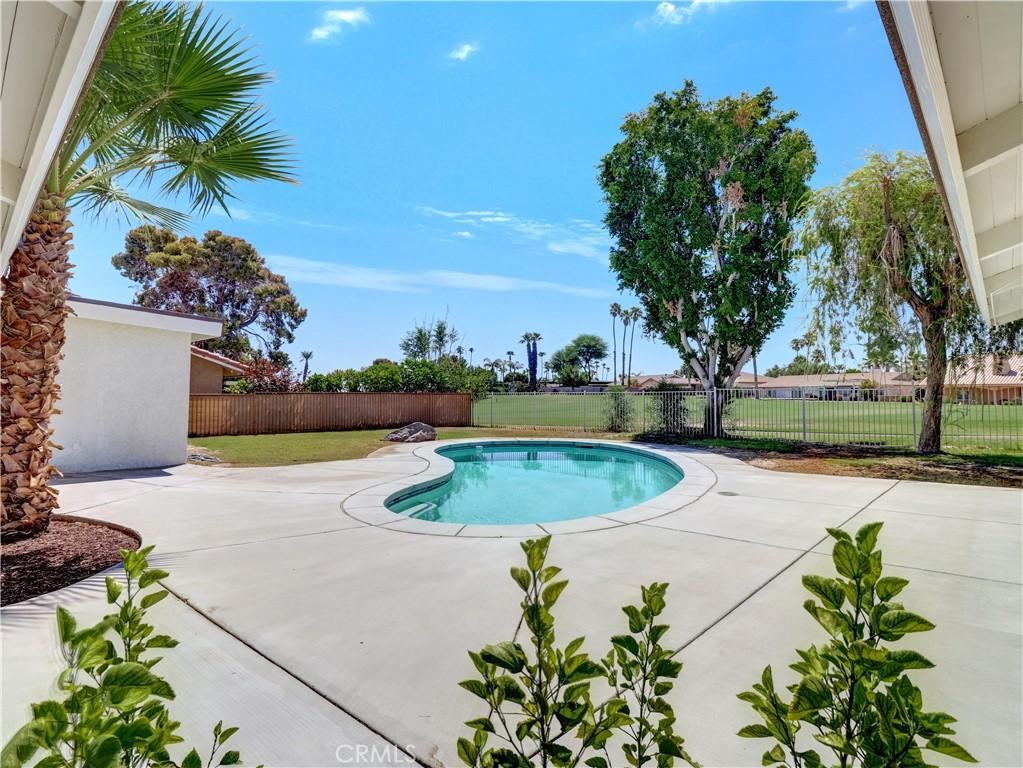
<point x="413" y="759"/>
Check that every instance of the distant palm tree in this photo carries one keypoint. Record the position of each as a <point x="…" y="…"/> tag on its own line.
<point x="616" y="312"/>
<point x="543" y="365"/>
<point x="635" y="315"/>
<point x="471" y="350"/>
<point x="460" y="351"/>
<point x="175" y="100"/>
<point x="626" y="316"/>
<point x="305" y="365"/>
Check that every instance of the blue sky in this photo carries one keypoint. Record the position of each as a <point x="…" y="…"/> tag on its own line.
<point x="448" y="154"/>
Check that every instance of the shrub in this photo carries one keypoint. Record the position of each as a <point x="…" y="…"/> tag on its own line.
<point x="114" y="711"/>
<point x="540" y="705"/>
<point x="263" y="376"/>
<point x="669" y="409"/>
<point x="853" y="691"/>
<point x="618" y="410"/>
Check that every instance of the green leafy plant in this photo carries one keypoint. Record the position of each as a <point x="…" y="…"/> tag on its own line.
<point x="541" y="707"/>
<point x="854" y="692"/>
<point x="114" y="708"/>
<point x="619" y="411"/>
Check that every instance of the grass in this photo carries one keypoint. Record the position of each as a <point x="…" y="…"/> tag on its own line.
<point x="985" y="468"/>
<point x="307" y="447"/>
<point x="972" y="428"/>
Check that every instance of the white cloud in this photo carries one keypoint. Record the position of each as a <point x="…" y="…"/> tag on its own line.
<point x="465" y="234"/>
<point x="463" y="51"/>
<point x="850" y="5"/>
<point x="334" y="22"/>
<point x="301" y="270"/>
<point x="672" y="13"/>
<point x="268" y="217"/>
<point x="577" y="236"/>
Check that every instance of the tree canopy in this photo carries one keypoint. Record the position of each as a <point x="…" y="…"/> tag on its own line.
<point x="584" y="351"/>
<point x="700" y="198"/>
<point x="219" y="275"/>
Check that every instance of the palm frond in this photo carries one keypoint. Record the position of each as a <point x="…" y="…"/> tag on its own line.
<point x="104" y="195"/>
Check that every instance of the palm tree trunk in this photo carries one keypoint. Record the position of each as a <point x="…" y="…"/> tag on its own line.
<point x="632" y="340"/>
<point x="614" y="349"/>
<point x="33" y="309"/>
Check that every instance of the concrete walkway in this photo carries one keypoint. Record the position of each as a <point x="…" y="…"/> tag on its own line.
<point x="317" y="632"/>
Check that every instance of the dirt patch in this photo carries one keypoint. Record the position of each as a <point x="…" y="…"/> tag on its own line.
<point x="854" y="461"/>
<point x="68" y="551"/>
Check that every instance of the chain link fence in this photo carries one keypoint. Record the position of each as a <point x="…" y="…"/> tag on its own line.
<point x="977" y="417"/>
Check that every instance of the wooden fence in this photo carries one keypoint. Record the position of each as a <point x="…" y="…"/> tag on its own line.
<point x="323" y="411"/>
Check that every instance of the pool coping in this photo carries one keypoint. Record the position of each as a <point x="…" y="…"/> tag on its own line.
<point x="368" y="506"/>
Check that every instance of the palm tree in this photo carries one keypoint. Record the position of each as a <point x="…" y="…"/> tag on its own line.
<point x="471" y="350"/>
<point x="543" y="365"/>
<point x="460" y="351"/>
<point x="173" y="101"/>
<point x="306" y="356"/>
<point x="626" y="315"/>
<point x="616" y="312"/>
<point x="635" y="315"/>
<point x="530" y="338"/>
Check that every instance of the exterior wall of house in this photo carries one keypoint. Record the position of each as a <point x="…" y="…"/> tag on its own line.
<point x="124" y="387"/>
<point x="206" y="377"/>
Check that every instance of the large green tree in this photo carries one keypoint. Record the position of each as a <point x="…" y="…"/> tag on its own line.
<point x="882" y="256"/>
<point x="700" y="202"/>
<point x="220" y="275"/>
<point x="172" y="103"/>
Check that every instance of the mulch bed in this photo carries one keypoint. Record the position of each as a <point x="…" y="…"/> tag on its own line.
<point x="65" y="553"/>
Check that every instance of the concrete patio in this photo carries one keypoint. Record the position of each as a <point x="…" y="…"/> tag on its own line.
<point x="316" y="631"/>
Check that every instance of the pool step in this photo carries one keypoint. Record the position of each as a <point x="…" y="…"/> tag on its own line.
<point x="420" y="509"/>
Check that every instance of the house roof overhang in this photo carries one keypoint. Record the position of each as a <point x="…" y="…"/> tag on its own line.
<point x="49" y="52"/>
<point x="197" y="326"/>
<point x="962" y="65"/>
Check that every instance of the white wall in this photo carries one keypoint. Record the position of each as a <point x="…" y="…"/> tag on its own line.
<point x="124" y="397"/>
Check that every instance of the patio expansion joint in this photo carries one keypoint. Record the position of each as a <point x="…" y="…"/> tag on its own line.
<point x="412" y="759"/>
<point x="776" y="575"/>
<point x="267" y="539"/>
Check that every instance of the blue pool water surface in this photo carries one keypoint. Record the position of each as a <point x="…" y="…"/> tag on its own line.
<point x="501" y="484"/>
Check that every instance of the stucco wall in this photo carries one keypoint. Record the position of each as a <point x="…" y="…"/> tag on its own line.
<point x="206" y="378"/>
<point x="124" y="397"/>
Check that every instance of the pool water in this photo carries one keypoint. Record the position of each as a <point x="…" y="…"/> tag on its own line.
<point x="502" y="484"/>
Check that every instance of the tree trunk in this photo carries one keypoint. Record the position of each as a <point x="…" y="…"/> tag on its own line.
<point x="33" y="309"/>
<point x="714" y="413"/>
<point x="614" y="350"/>
<point x="632" y="339"/>
<point x="935" y="343"/>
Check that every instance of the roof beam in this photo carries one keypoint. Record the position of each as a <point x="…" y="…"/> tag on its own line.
<point x="10" y="181"/>
<point x="1004" y="281"/>
<point x="990" y="142"/>
<point x="992" y="242"/>
<point x="67" y="7"/>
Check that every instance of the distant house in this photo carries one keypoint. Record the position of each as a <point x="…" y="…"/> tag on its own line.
<point x="745" y="380"/>
<point x="844" y="385"/>
<point x="209" y="371"/>
<point x="994" y="379"/>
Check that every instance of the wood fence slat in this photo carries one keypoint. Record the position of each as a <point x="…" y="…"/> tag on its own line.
<point x="262" y="414"/>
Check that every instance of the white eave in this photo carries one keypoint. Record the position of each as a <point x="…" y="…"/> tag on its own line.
<point x="963" y="67"/>
<point x="197" y="327"/>
<point x="48" y="50"/>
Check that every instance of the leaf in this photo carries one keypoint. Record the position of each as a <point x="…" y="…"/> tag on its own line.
<point x="755" y="731"/>
<point x="903" y="622"/>
<point x="596" y="762"/>
<point x="522" y="577"/>
<point x="231" y="757"/>
<point x="66" y="624"/>
<point x="151" y="576"/>
<point x="114" y="589"/>
<point x="476" y="688"/>
<point x="907" y="659"/>
<point x="507" y="655"/>
<point x="192" y="760"/>
<point x="775" y="755"/>
<point x="50" y="719"/>
<point x="636" y="622"/>
<point x="103" y="752"/>
<point x="848" y="561"/>
<point x="153" y="598"/>
<point x="628" y="642"/>
<point x="537" y="553"/>
<point x="481" y="724"/>
<point x="828" y="590"/>
<point x="552" y="592"/>
<point x="810" y="695"/>
<point x="948" y="747"/>
<point x="127" y="684"/>
<point x="866" y="537"/>
<point x="467" y="751"/>
<point x="20" y="747"/>
<point x="889" y="587"/>
<point x="838" y="534"/>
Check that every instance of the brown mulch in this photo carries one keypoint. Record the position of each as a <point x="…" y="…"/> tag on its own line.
<point x="65" y="553"/>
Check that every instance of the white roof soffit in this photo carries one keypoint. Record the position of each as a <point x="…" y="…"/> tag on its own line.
<point x="965" y="61"/>
<point x="198" y="328"/>
<point x="48" y="53"/>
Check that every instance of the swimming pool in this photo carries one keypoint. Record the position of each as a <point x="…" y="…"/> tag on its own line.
<point x="502" y="483"/>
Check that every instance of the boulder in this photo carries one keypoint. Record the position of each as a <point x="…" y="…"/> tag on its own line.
<point x="416" y="432"/>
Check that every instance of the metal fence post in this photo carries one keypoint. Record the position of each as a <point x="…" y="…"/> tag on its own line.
<point x="802" y="394"/>
<point x="642" y="405"/>
<point x="493" y="396"/>
<point x="583" y="395"/>
<point x="912" y="398"/>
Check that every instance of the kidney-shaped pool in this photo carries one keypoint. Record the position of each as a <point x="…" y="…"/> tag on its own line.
<point x="502" y="483"/>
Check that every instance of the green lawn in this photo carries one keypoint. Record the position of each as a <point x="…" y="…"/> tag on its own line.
<point x="895" y="424"/>
<point x="306" y="447"/>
